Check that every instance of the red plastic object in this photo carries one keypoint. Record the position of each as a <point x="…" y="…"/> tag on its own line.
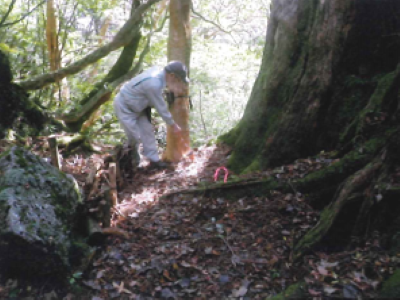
<point x="217" y="172"/>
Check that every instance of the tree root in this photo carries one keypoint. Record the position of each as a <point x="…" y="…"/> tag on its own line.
<point x="233" y="190"/>
<point x="325" y="229"/>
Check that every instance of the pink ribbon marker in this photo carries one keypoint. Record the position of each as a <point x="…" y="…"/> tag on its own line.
<point x="217" y="172"/>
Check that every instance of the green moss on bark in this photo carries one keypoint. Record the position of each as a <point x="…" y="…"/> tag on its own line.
<point x="336" y="173"/>
<point x="315" y="234"/>
<point x="121" y="67"/>
<point x="277" y="82"/>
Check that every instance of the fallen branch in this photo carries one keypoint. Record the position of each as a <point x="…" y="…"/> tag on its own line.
<point x="55" y="160"/>
<point x="95" y="186"/>
<point x="116" y="231"/>
<point x="112" y="173"/>
<point x="91" y="178"/>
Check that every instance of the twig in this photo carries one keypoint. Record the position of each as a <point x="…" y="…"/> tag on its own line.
<point x="116" y="231"/>
<point x="255" y="261"/>
<point x="234" y="257"/>
<point x="227" y="244"/>
<point x="10" y="8"/>
<point x="95" y="186"/>
<point x="294" y="190"/>
<point x="118" y="212"/>
<point x="208" y="21"/>
<point x="22" y="18"/>
<point x="106" y="179"/>
<point x="202" y="118"/>
<point x="112" y="173"/>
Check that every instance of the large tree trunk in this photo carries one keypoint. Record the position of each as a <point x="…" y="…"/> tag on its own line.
<point x="329" y="81"/>
<point x="319" y="69"/>
<point x="303" y="47"/>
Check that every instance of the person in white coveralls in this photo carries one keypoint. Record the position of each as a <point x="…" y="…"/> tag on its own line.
<point x="142" y="92"/>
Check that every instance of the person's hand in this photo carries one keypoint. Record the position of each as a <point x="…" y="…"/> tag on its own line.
<point x="176" y="128"/>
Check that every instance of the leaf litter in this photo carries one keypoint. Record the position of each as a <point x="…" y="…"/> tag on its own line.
<point x="198" y="247"/>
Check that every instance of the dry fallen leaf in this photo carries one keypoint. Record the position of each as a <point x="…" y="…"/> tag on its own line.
<point x="323" y="271"/>
<point x="327" y="264"/>
<point x="194" y="262"/>
<point x="329" y="290"/>
<point x="314" y="292"/>
<point x="240" y="292"/>
<point x="167" y="275"/>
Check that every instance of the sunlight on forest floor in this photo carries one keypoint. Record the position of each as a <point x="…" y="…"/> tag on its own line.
<point x="196" y="246"/>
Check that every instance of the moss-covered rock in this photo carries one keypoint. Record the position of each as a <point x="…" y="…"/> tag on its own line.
<point x="38" y="209"/>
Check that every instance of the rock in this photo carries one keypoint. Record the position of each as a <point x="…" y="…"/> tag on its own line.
<point x="38" y="210"/>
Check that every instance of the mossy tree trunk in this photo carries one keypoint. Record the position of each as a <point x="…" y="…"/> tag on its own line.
<point x="16" y="108"/>
<point x="91" y="103"/>
<point x="329" y="81"/>
<point x="322" y="62"/>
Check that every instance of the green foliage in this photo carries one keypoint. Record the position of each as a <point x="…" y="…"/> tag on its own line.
<point x="228" y="42"/>
<point x="224" y="64"/>
<point x="74" y="277"/>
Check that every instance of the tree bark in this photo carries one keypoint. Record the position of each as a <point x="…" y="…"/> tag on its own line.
<point x="52" y="37"/>
<point x="303" y="47"/>
<point x="321" y="66"/>
<point x="353" y="184"/>
<point x="179" y="48"/>
<point x="329" y="81"/>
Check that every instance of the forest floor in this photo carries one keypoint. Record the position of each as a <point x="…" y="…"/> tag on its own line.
<point x="182" y="246"/>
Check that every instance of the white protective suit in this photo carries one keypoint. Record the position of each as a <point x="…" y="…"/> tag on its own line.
<point x="130" y="103"/>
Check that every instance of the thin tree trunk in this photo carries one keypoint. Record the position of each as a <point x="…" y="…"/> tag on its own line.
<point x="52" y="37"/>
<point x="179" y="48"/>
